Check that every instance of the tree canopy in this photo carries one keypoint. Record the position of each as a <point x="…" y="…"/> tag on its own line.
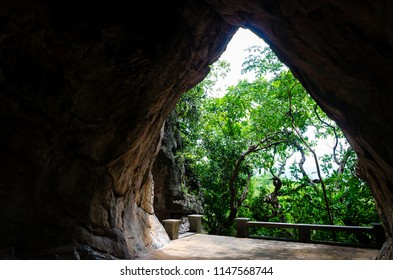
<point x="248" y="150"/>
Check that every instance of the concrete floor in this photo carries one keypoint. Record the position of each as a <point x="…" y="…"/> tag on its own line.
<point x="213" y="247"/>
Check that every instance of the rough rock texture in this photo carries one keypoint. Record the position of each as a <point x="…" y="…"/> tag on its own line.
<point x="85" y="89"/>
<point x="173" y="197"/>
<point x="166" y="173"/>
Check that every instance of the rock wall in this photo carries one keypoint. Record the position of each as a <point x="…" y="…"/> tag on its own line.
<point x="85" y="89"/>
<point x="173" y="197"/>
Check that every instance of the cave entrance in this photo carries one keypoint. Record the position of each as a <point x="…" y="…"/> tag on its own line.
<point x="249" y="141"/>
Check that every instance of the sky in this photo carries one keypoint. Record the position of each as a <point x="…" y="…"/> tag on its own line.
<point x="235" y="54"/>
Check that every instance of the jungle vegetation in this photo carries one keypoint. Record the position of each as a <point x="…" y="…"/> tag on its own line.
<point x="255" y="152"/>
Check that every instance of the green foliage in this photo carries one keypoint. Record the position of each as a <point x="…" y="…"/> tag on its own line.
<point x="264" y="124"/>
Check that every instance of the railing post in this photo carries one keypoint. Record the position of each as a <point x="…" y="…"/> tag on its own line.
<point x="241" y="226"/>
<point x="379" y="233"/>
<point x="172" y="228"/>
<point x="195" y="223"/>
<point x="304" y="234"/>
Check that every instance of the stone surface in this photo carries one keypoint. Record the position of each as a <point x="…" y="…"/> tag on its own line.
<point x="172" y="228"/>
<point x="173" y="197"/>
<point x="85" y="88"/>
<point x="214" y="247"/>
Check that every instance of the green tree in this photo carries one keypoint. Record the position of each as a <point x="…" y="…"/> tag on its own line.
<point x="254" y="131"/>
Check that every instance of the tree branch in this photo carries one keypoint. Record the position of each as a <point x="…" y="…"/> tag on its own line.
<point x="330" y="216"/>
<point x="236" y="169"/>
<point x="245" y="191"/>
<point x="338" y="162"/>
<point x="236" y="203"/>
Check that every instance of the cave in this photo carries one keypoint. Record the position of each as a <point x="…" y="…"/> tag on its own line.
<point x="85" y="89"/>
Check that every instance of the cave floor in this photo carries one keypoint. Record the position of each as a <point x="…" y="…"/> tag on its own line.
<point x="213" y="247"/>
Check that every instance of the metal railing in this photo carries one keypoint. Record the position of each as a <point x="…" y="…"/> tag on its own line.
<point x="304" y="232"/>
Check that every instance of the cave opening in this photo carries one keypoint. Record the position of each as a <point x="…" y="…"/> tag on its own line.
<point x="317" y="169"/>
<point x="84" y="97"/>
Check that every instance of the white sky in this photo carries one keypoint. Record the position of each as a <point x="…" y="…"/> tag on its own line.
<point x="235" y="54"/>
